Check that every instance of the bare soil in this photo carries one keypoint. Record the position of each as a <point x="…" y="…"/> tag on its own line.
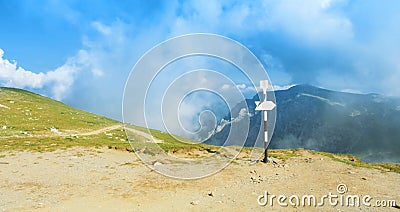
<point x="90" y="179"/>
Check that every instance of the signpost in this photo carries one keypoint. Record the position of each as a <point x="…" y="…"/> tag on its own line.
<point x="265" y="106"/>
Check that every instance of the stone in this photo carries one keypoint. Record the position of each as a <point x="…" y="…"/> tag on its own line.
<point x="195" y="202"/>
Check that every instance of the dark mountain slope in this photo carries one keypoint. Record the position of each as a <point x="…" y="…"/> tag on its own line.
<point x="367" y="125"/>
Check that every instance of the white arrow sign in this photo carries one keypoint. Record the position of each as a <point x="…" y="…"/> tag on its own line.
<point x="265" y="105"/>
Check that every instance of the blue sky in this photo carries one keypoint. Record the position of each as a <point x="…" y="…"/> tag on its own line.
<point x="81" y="52"/>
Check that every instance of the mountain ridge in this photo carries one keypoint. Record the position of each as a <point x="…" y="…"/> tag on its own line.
<point x="323" y="120"/>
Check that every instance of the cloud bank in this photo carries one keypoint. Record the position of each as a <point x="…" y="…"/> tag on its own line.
<point x="58" y="81"/>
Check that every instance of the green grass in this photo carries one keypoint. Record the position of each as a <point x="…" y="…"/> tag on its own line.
<point x="28" y="116"/>
<point x="283" y="154"/>
<point x="356" y="162"/>
<point x="24" y="113"/>
<point x="38" y="144"/>
<point x="171" y="142"/>
<point x="168" y="142"/>
<point x="35" y="114"/>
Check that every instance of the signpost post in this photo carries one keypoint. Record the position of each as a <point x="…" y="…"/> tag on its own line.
<point x="265" y="106"/>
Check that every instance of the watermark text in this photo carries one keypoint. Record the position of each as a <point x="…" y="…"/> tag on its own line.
<point x="332" y="199"/>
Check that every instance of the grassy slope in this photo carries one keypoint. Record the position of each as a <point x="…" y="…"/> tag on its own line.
<point x="32" y="114"/>
<point x="36" y="114"/>
<point x="29" y="117"/>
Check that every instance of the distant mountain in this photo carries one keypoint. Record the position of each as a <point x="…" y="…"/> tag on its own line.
<point x="366" y="125"/>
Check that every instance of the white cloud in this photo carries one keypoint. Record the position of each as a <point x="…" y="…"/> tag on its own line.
<point x="311" y="21"/>
<point x="275" y="69"/>
<point x="246" y="89"/>
<point x="225" y="86"/>
<point x="87" y="59"/>
<point x="106" y="30"/>
<point x="349" y="90"/>
<point x="13" y="76"/>
<point x="59" y="80"/>
<point x="242" y="87"/>
<point x="282" y="87"/>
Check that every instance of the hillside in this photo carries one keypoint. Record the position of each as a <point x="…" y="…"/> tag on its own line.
<point x="29" y="121"/>
<point x="366" y="125"/>
<point x="57" y="158"/>
<point x="24" y="111"/>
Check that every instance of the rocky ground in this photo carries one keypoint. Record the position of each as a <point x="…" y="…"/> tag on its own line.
<point x="90" y="179"/>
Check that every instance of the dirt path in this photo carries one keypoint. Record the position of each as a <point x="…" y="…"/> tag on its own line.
<point x="143" y="134"/>
<point x="108" y="180"/>
<point x="102" y="130"/>
<point x="64" y="134"/>
<point x="88" y="133"/>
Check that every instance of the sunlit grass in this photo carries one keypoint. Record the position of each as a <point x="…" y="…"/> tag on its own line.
<point x="356" y="162"/>
<point x="29" y="113"/>
<point x="45" y="144"/>
<point x="283" y="154"/>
